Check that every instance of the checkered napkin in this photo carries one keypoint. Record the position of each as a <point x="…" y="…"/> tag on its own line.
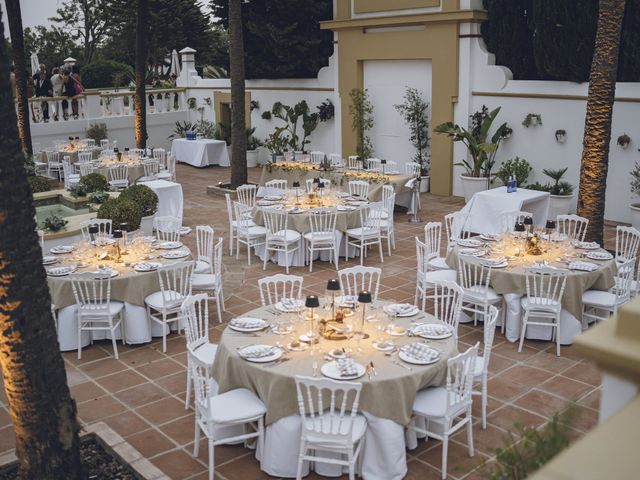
<point x="247" y="322"/>
<point x="347" y="367"/>
<point x="401" y="308"/>
<point x="431" y="329"/>
<point x="291" y="303"/>
<point x="420" y="352"/>
<point x="257" y="352"/>
<point x="583" y="266"/>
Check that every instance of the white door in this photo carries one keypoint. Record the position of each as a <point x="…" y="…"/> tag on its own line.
<point x="386" y="81"/>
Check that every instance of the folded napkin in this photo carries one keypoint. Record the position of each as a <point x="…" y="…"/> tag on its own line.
<point x="347" y="367"/>
<point x="583" y="266"/>
<point x="247" y="322"/>
<point x="587" y="245"/>
<point x="420" y="352"/>
<point x="431" y="329"/>
<point x="258" y="351"/>
<point x="291" y="303"/>
<point x="401" y="308"/>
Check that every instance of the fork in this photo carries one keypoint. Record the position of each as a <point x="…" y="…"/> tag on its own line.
<point x="399" y="363"/>
<point x="278" y="362"/>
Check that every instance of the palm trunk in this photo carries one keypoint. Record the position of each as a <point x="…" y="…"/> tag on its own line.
<point x="14" y="17"/>
<point x="141" y="68"/>
<point x="41" y="408"/>
<point x="238" y="120"/>
<point x="597" y="128"/>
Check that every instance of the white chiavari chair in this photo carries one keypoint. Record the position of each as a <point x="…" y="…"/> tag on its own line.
<point x="317" y="157"/>
<point x="276" y="288"/>
<point x="211" y="283"/>
<point x="359" y="188"/>
<point x="53" y="163"/>
<point x="475" y="279"/>
<point x="151" y="170"/>
<point x="279" y="238"/>
<point x="367" y="234"/>
<point x="426" y="277"/>
<point x="160" y="154"/>
<point x="412" y="169"/>
<point x="387" y="205"/>
<point x="508" y="220"/>
<point x="374" y="164"/>
<point x="481" y="370"/>
<point x="204" y="247"/>
<point x="247" y="195"/>
<point x="447" y="304"/>
<point x="275" y="188"/>
<point x="455" y="224"/>
<point x="104" y="227"/>
<point x="600" y="305"/>
<point x="322" y="236"/>
<point x="336" y="160"/>
<point x="90" y="142"/>
<point x="433" y="239"/>
<point x="70" y="178"/>
<point x="233" y="226"/>
<point x="627" y="243"/>
<point x="167" y="228"/>
<point x="353" y="280"/>
<point x="85" y="156"/>
<point x="118" y="175"/>
<point x="169" y="172"/>
<point x="573" y="226"/>
<point x="87" y="169"/>
<point x="353" y="163"/>
<point x="247" y="232"/>
<point x="104" y="144"/>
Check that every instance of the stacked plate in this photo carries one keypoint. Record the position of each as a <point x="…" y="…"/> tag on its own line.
<point x="62" y="249"/>
<point x="290" y="305"/>
<point x="345" y="208"/>
<point x="343" y="369"/>
<point x="419" y="354"/>
<point x="169" y="245"/>
<point x="260" y="353"/>
<point x="583" y="266"/>
<point x="472" y="252"/>
<point x="433" y="331"/>
<point x="247" y="324"/>
<point x="61" y="271"/>
<point x="175" y="254"/>
<point x="469" y="242"/>
<point x="147" y="266"/>
<point x="49" y="259"/>
<point x="587" y="245"/>
<point x="107" y="272"/>
<point x="598" y="255"/>
<point x="495" y="262"/>
<point x="401" y="309"/>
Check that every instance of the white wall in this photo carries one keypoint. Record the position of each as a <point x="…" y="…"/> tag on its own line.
<point x="386" y="82"/>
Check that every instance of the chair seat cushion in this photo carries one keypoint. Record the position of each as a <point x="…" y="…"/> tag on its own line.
<point x="155" y="300"/>
<point x="431" y="402"/>
<point x="320" y="237"/>
<point x="359" y="428"/>
<point x="205" y="353"/>
<point x="540" y="304"/>
<point x="255" y="231"/>
<point x="114" y="308"/>
<point x="202" y="267"/>
<point x="439" y="263"/>
<point x="363" y="232"/>
<point x="599" y="298"/>
<point x="203" y="280"/>
<point x="478" y="292"/>
<point x="440" y="275"/>
<point x="478" y="367"/>
<point x="163" y="174"/>
<point x="285" y="236"/>
<point x="235" y="406"/>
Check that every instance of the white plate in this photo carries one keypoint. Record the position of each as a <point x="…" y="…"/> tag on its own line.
<point x="337" y="353"/>
<point x="248" y="329"/>
<point x="273" y="198"/>
<point x="346" y="208"/>
<point x="392" y="172"/>
<point x="112" y="273"/>
<point x="173" y="254"/>
<point x="348" y="301"/>
<point x="277" y="353"/>
<point x="185" y="230"/>
<point x="583" y="266"/>
<point x="60" y="271"/>
<point x="587" y="245"/>
<point x="386" y="348"/>
<point x="169" y="245"/>
<point x="297" y="308"/>
<point x="432" y="337"/>
<point x="488" y="238"/>
<point x="331" y="370"/>
<point x="410" y="359"/>
<point x="598" y="255"/>
<point x="264" y="203"/>
<point x="391" y="309"/>
<point x="147" y="266"/>
<point x="60" y="249"/>
<point x="472" y="252"/>
<point x="49" y="259"/>
<point x="469" y="242"/>
<point x="396" y="331"/>
<point x="502" y="264"/>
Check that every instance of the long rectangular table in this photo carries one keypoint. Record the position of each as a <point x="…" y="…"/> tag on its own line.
<point x="200" y="153"/>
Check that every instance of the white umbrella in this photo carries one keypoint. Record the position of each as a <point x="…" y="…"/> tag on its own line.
<point x="35" y="64"/>
<point x="175" y="64"/>
<point x="69" y="60"/>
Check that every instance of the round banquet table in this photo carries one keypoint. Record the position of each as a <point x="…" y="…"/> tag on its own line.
<point x="128" y="286"/>
<point x="511" y="283"/>
<point x="386" y="399"/>
<point x="135" y="171"/>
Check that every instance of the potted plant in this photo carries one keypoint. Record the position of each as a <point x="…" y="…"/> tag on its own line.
<point x="635" y="189"/>
<point x="561" y="136"/>
<point x="95" y="182"/>
<point x="518" y="167"/>
<point x="54" y="223"/>
<point x="623" y="141"/>
<point x="561" y="193"/>
<point x="361" y="111"/>
<point x="253" y="143"/>
<point x="276" y="144"/>
<point x="147" y="200"/>
<point x="532" y="120"/>
<point x="477" y="173"/>
<point x="414" y="112"/>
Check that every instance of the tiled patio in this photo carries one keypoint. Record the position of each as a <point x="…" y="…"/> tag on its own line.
<point x="141" y="396"/>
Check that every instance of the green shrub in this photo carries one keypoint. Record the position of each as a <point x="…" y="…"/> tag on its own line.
<point x="121" y="211"/>
<point x="99" y="197"/>
<point x="97" y="131"/>
<point x="95" y="182"/>
<point x="78" y="190"/>
<point x="101" y="73"/>
<point x="142" y="196"/>
<point x="54" y="223"/>
<point x="517" y="167"/>
<point x="39" y="184"/>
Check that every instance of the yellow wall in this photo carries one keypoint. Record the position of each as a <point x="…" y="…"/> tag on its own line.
<point x="220" y="98"/>
<point x="369" y="6"/>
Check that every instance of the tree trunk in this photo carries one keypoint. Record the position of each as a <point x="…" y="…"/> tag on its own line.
<point x="597" y="128"/>
<point x="41" y="408"/>
<point x="238" y="120"/>
<point x="14" y="18"/>
<point x="141" y="68"/>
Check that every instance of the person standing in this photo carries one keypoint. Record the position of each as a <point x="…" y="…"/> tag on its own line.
<point x="43" y="88"/>
<point x="75" y="76"/>
<point x="69" y="91"/>
<point x="57" y="82"/>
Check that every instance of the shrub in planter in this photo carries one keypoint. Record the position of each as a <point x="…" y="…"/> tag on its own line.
<point x="121" y="211"/>
<point x="142" y="196"/>
<point x="518" y="167"/>
<point x="99" y="197"/>
<point x="39" y="184"/>
<point x="95" y="182"/>
<point x="558" y="187"/>
<point x="54" y="223"/>
<point x="97" y="132"/>
<point x="78" y="190"/>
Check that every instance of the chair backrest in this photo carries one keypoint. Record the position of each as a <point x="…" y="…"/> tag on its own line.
<point x="353" y="163"/>
<point x="104" y="143"/>
<point x="175" y="283"/>
<point x="388" y="199"/>
<point x="247" y="195"/>
<point x="323" y="220"/>
<point x="243" y="217"/>
<point x="545" y="286"/>
<point x="204" y="244"/>
<point x="433" y="237"/>
<point x="85" y="156"/>
<point x="317" y="157"/>
<point x="489" y="333"/>
<point x="573" y="226"/>
<point x="328" y="408"/>
<point x="167" y="228"/>
<point x="335" y="159"/>
<point x="104" y="226"/>
<point x="171" y="165"/>
<point x="151" y="168"/>
<point x="370" y="218"/>
<point x="374" y="164"/>
<point x="447" y="303"/>
<point x="217" y="260"/>
<point x="276" y="287"/>
<point x="276" y="222"/>
<point x="627" y="242"/>
<point x="356" y="279"/>
<point x="195" y="311"/>
<point x="455" y="224"/>
<point x="474" y="276"/>
<point x="275" y="187"/>
<point x="412" y="168"/>
<point x="118" y="172"/>
<point x="160" y="154"/>
<point x="310" y="185"/>
<point x="230" y="210"/>
<point x="508" y="220"/>
<point x="53" y="156"/>
<point x="624" y="280"/>
<point x="90" y="142"/>
<point x="204" y="388"/>
<point x="359" y="188"/>
<point x="92" y="292"/>
<point x="87" y="169"/>
<point x="460" y="380"/>
<point x="423" y="257"/>
<point x="139" y="152"/>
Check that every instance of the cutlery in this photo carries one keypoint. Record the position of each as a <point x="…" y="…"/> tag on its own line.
<point x="368" y="371"/>
<point x="278" y="362"/>
<point x="397" y="362"/>
<point x="388" y="354"/>
<point x="245" y="346"/>
<point x="315" y="368"/>
<point x="373" y="369"/>
<point x="246" y="334"/>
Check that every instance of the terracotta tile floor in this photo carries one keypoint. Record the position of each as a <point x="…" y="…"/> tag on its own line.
<point x="141" y="396"/>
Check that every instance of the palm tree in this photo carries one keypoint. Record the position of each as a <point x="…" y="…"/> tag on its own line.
<point x="597" y="127"/>
<point x="14" y="18"/>
<point x="41" y="408"/>
<point x="238" y="120"/>
<point x="141" y="69"/>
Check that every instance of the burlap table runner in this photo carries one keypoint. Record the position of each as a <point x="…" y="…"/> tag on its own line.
<point x="389" y="395"/>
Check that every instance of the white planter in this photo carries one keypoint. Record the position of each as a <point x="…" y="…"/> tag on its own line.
<point x="473" y="185"/>
<point x="635" y="214"/>
<point x="560" y="205"/>
<point x="252" y="158"/>
<point x="424" y="183"/>
<point x="146" y="225"/>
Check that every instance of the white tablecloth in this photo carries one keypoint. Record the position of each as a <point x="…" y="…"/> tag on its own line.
<point x="485" y="208"/>
<point x="170" y="200"/>
<point x="200" y="153"/>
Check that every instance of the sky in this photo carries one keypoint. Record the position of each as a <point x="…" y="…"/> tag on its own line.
<point x="34" y="12"/>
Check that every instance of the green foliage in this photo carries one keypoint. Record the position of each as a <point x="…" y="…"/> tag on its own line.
<point x="266" y="115"/>
<point x="282" y="39"/>
<point x="95" y="182"/>
<point x="121" y="211"/>
<point x="206" y="128"/>
<point x="54" y="223"/>
<point x="181" y="128"/>
<point x="518" y="167"/>
<point x="78" y="190"/>
<point x="222" y="132"/>
<point x="481" y="148"/>
<point x="142" y="196"/>
<point x="558" y="187"/>
<point x="97" y="131"/>
<point x="635" y="179"/>
<point x="532" y="120"/>
<point x="414" y="112"/>
<point x="529" y="449"/>
<point x="291" y="116"/>
<point x="326" y="110"/>
<point x="99" y="197"/>
<point x="253" y="142"/>
<point x="539" y="187"/>
<point x="102" y="73"/>
<point x="361" y="111"/>
<point x="276" y="143"/>
<point x="52" y="45"/>
<point x="623" y="140"/>
<point x="39" y="184"/>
